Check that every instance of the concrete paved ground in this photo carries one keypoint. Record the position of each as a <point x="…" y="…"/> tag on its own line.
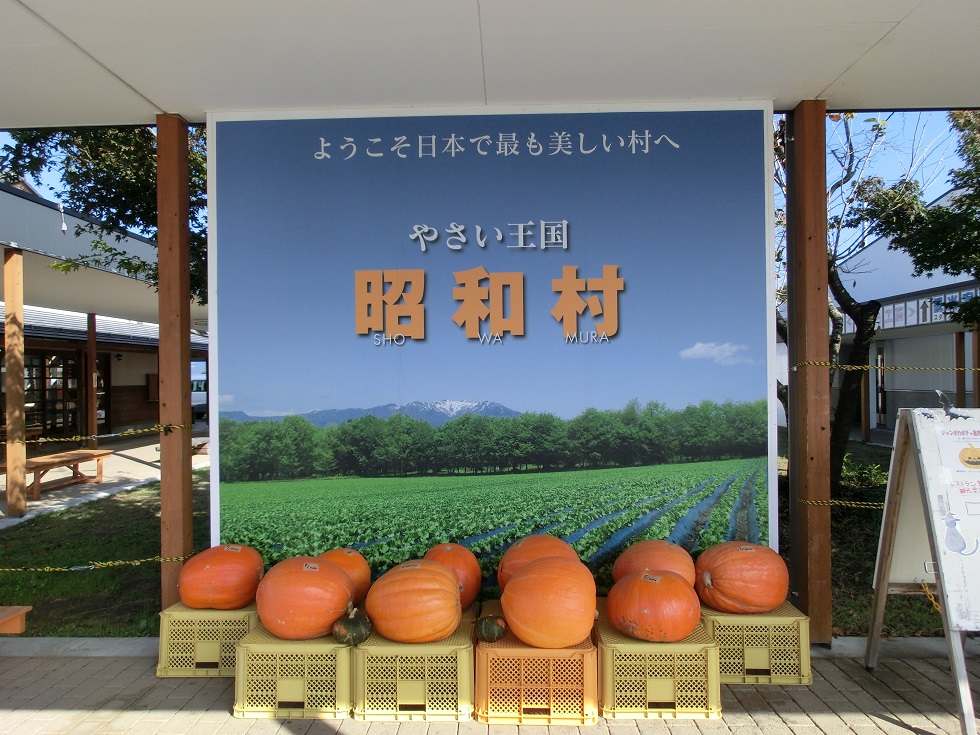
<point x="102" y="686"/>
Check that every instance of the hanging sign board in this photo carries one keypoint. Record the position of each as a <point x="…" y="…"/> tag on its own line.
<point x="930" y="532"/>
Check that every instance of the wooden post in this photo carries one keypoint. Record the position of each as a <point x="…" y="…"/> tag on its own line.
<point x="13" y="360"/>
<point x="959" y="349"/>
<point x="975" y="339"/>
<point x="866" y="406"/>
<point x="91" y="383"/>
<point x="809" y="385"/>
<point x="173" y="236"/>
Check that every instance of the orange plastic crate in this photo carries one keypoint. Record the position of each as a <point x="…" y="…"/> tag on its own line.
<point x="518" y="684"/>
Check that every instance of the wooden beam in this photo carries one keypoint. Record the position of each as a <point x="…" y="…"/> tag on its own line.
<point x="173" y="237"/>
<point x="809" y="385"/>
<point x="91" y="382"/>
<point x="13" y="360"/>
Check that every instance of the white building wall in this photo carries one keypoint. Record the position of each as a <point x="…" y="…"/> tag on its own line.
<point x="916" y="388"/>
<point x="133" y="368"/>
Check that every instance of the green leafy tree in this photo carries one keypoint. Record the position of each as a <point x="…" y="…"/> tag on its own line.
<point x="943" y="238"/>
<point x="659" y="434"/>
<point x="299" y="442"/>
<point x="109" y="175"/>
<point x="546" y="436"/>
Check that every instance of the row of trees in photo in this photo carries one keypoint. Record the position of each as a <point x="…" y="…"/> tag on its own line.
<point x="635" y="435"/>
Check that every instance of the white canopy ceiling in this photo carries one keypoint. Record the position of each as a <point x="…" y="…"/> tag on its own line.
<point x="118" y="62"/>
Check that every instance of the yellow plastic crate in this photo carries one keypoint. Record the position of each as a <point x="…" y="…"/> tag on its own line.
<point x="414" y="681"/>
<point x="518" y="684"/>
<point x="283" y="679"/>
<point x="639" y="679"/>
<point x="197" y="642"/>
<point x="761" y="648"/>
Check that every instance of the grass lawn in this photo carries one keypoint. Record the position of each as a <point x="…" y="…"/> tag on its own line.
<point x="124" y="600"/>
<point x="112" y="601"/>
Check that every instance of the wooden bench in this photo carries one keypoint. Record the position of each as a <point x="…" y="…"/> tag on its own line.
<point x="13" y="618"/>
<point x="40" y="466"/>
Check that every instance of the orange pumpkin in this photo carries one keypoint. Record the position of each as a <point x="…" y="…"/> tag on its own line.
<point x="463" y="563"/>
<point x="302" y="597"/>
<point x="657" y="606"/>
<point x="220" y="578"/>
<point x="970" y="457"/>
<point x="415" y="602"/>
<point x="356" y="566"/>
<point x="528" y="549"/>
<point x="654" y="554"/>
<point x="741" y="577"/>
<point x="550" y="602"/>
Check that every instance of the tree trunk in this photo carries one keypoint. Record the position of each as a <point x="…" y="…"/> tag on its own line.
<point x="848" y="405"/>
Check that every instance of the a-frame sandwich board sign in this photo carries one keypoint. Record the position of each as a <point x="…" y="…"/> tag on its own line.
<point x="930" y="532"/>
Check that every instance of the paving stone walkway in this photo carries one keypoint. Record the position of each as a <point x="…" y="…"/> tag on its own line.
<point x="60" y="691"/>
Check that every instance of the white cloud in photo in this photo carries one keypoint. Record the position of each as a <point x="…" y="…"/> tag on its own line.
<point x="722" y="354"/>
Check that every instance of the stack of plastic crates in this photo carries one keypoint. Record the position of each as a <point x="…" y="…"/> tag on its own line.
<point x="761" y="648"/>
<point x="518" y="684"/>
<point x="202" y="642"/>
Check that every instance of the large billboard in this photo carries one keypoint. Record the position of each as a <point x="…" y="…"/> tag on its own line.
<point x="469" y="326"/>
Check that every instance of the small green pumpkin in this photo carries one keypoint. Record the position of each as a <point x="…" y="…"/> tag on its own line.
<point x="490" y="628"/>
<point x="353" y="628"/>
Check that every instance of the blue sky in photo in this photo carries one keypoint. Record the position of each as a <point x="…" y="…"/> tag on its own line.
<point x="685" y="220"/>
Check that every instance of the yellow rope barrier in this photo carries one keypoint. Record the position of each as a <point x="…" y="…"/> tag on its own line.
<point x="155" y="429"/>
<point x="824" y="363"/>
<point x="99" y="564"/>
<point x="844" y="503"/>
<point x="932" y="597"/>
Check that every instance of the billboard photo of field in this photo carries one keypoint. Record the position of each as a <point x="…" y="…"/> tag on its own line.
<point x="472" y="326"/>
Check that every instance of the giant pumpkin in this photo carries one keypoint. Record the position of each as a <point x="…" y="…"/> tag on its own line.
<point x="220" y="578"/>
<point x="529" y="548"/>
<point x="463" y="563"/>
<point x="657" y="606"/>
<point x="302" y="597"/>
<point x="356" y="566"/>
<point x="741" y="577"/>
<point x="550" y="602"/>
<point x="654" y="554"/>
<point x="415" y="602"/>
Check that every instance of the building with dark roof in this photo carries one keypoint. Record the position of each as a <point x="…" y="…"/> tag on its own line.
<point x="57" y="348"/>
